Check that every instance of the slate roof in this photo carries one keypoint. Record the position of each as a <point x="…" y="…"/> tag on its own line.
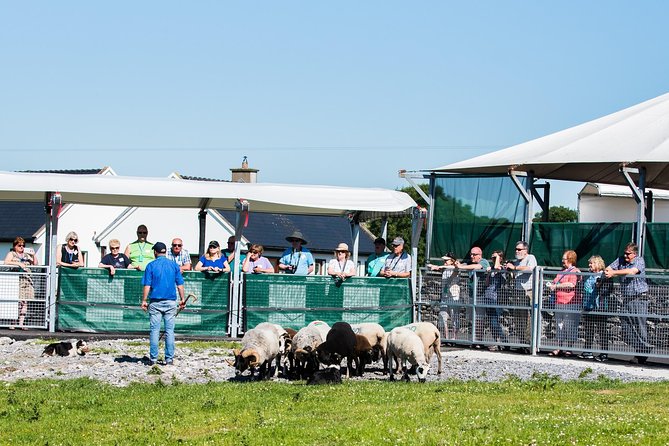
<point x="66" y="171"/>
<point x="323" y="233"/>
<point x="20" y="219"/>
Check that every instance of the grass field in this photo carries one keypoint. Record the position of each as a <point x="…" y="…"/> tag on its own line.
<point x="540" y="411"/>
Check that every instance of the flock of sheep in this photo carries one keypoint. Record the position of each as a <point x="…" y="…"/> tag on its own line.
<point x="316" y="351"/>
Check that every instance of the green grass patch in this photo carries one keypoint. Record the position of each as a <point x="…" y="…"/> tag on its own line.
<point x="540" y="411"/>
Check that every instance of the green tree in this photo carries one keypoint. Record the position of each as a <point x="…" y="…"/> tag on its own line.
<point x="558" y="214"/>
<point x="401" y="226"/>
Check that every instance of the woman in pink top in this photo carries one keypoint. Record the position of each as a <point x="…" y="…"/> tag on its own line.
<point x="567" y="313"/>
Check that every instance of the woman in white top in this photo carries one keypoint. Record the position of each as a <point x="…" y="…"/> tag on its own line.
<point x="341" y="266"/>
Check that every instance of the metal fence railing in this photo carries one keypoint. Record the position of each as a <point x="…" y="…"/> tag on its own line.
<point x="23" y="297"/>
<point x="620" y="322"/>
<point x="480" y="308"/>
<point x="490" y="308"/>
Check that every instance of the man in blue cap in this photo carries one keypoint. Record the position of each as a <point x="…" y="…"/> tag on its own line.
<point x="162" y="279"/>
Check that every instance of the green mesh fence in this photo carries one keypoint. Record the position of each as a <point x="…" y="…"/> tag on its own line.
<point x="468" y="211"/>
<point x="92" y="300"/>
<point x="294" y="301"/>
<point x="656" y="251"/>
<point x="551" y="240"/>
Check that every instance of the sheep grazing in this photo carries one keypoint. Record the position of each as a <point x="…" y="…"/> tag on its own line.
<point x="339" y="343"/>
<point x="322" y="327"/>
<point x="429" y="335"/>
<point x="284" y="344"/>
<point x="405" y="345"/>
<point x="363" y="354"/>
<point x="376" y="336"/>
<point x="303" y="350"/>
<point x="260" y="346"/>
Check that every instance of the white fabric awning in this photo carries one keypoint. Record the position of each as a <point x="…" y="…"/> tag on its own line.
<point x="591" y="152"/>
<point x="180" y="193"/>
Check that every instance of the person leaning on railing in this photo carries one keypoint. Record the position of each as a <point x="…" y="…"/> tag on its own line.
<point x="523" y="267"/>
<point x="596" y="294"/>
<point x="631" y="268"/>
<point x="68" y="254"/>
<point x="256" y="263"/>
<point x="398" y="263"/>
<point x="564" y="287"/>
<point x="115" y="259"/>
<point x="19" y="257"/>
<point x="341" y="267"/>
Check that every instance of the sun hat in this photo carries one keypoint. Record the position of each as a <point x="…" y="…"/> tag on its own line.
<point x="342" y="247"/>
<point x="296" y="235"/>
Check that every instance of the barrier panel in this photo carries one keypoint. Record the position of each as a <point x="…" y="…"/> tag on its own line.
<point x="23" y="302"/>
<point x="482" y="307"/>
<point x="294" y="301"/>
<point x="636" y="325"/>
<point x="92" y="300"/>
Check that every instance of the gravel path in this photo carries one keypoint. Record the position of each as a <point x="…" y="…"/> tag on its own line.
<point x="121" y="362"/>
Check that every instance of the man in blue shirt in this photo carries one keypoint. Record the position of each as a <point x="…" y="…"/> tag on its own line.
<point x="297" y="260"/>
<point x="161" y="281"/>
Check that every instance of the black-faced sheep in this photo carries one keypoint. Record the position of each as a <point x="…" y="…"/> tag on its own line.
<point x="405" y="345"/>
<point x="339" y="343"/>
<point x="259" y="348"/>
<point x="376" y="336"/>
<point x="429" y="335"/>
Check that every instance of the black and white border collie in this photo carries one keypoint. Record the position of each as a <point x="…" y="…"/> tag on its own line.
<point x="66" y="349"/>
<point x="329" y="375"/>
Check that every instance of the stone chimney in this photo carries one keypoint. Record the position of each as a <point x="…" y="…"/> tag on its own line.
<point x="244" y="175"/>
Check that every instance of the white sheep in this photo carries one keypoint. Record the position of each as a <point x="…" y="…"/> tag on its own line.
<point x="322" y="327"/>
<point x="377" y="338"/>
<point x="304" y="347"/>
<point x="259" y="348"/>
<point x="285" y="341"/>
<point x="429" y="335"/>
<point x="405" y="345"/>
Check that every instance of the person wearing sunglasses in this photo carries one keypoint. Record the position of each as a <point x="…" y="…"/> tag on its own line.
<point x="179" y="255"/>
<point x="256" y="263"/>
<point x="115" y="259"/>
<point x="631" y="268"/>
<point x="212" y="261"/>
<point x="19" y="257"/>
<point x="68" y="254"/>
<point x="140" y="252"/>
<point x="522" y="267"/>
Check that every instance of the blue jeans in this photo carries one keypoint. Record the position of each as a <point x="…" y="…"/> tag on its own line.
<point x="159" y="310"/>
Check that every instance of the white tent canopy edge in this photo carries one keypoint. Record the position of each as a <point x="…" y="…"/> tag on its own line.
<point x="56" y="189"/>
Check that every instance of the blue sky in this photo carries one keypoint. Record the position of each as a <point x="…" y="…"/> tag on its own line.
<point x="340" y="93"/>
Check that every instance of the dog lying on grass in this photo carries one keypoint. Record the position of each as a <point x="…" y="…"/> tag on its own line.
<point x="328" y="375"/>
<point x="66" y="349"/>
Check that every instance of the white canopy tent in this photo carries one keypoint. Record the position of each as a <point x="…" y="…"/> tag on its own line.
<point x="180" y="193"/>
<point x="591" y="152"/>
<point x="606" y="150"/>
<point x="55" y="189"/>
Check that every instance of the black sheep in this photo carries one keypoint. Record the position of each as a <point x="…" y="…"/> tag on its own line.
<point x="340" y="343"/>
